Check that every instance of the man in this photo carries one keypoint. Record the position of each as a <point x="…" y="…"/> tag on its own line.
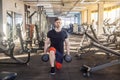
<point x="54" y="45"/>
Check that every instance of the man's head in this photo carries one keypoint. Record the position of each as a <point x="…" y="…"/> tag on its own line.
<point x="58" y="22"/>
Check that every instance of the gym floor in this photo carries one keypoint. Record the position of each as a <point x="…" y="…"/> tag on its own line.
<point x="38" y="70"/>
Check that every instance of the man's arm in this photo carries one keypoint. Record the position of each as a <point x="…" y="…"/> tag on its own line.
<point x="46" y="45"/>
<point x="67" y="46"/>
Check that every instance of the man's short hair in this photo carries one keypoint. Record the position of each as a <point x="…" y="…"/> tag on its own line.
<point x="57" y="18"/>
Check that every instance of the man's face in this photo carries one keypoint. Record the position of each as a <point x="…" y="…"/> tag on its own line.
<point x="58" y="23"/>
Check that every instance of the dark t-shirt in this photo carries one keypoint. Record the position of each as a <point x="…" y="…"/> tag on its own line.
<point x="57" y="39"/>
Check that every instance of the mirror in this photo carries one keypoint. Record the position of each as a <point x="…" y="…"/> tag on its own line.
<point x="13" y="19"/>
<point x="9" y="27"/>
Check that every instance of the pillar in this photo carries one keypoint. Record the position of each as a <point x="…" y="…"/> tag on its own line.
<point x="100" y="18"/>
<point x="89" y="16"/>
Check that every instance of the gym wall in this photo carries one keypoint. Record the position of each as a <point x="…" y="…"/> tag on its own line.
<point x="13" y="6"/>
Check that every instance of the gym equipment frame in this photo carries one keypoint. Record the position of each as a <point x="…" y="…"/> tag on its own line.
<point x="10" y="53"/>
<point x="86" y="70"/>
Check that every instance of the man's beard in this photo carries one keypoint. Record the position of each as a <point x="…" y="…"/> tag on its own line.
<point x="58" y="26"/>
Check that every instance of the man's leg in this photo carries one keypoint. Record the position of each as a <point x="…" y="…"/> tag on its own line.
<point x="59" y="60"/>
<point x="52" y="58"/>
<point x="52" y="52"/>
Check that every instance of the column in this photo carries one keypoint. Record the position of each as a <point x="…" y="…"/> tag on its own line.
<point x="100" y="18"/>
<point x="89" y="16"/>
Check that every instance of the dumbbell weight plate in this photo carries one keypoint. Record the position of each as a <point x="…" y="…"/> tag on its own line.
<point x="45" y="57"/>
<point x="68" y="58"/>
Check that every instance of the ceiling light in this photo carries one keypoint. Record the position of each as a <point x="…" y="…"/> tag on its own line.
<point x="82" y="1"/>
<point x="79" y="7"/>
<point x="97" y="0"/>
<point x="45" y="5"/>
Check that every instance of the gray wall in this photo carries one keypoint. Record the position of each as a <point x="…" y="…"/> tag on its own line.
<point x="51" y="19"/>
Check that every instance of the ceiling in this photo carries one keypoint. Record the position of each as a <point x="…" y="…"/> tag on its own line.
<point x="68" y="7"/>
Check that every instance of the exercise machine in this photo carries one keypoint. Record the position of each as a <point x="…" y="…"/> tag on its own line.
<point x="4" y="47"/>
<point x="86" y="70"/>
<point x="24" y="43"/>
<point x="7" y="47"/>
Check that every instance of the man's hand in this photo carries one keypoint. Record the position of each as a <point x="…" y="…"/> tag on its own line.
<point x="47" y="43"/>
<point x="67" y="45"/>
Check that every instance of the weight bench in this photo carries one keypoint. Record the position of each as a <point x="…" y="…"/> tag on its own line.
<point x="86" y="70"/>
<point x="8" y="75"/>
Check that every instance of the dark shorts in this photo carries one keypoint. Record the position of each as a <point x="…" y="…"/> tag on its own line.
<point x="59" y="56"/>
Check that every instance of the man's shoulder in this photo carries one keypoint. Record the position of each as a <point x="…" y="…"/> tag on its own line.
<point x="50" y="31"/>
<point x="64" y="31"/>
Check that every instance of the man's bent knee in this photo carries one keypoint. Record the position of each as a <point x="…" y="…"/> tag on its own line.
<point x="52" y="50"/>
